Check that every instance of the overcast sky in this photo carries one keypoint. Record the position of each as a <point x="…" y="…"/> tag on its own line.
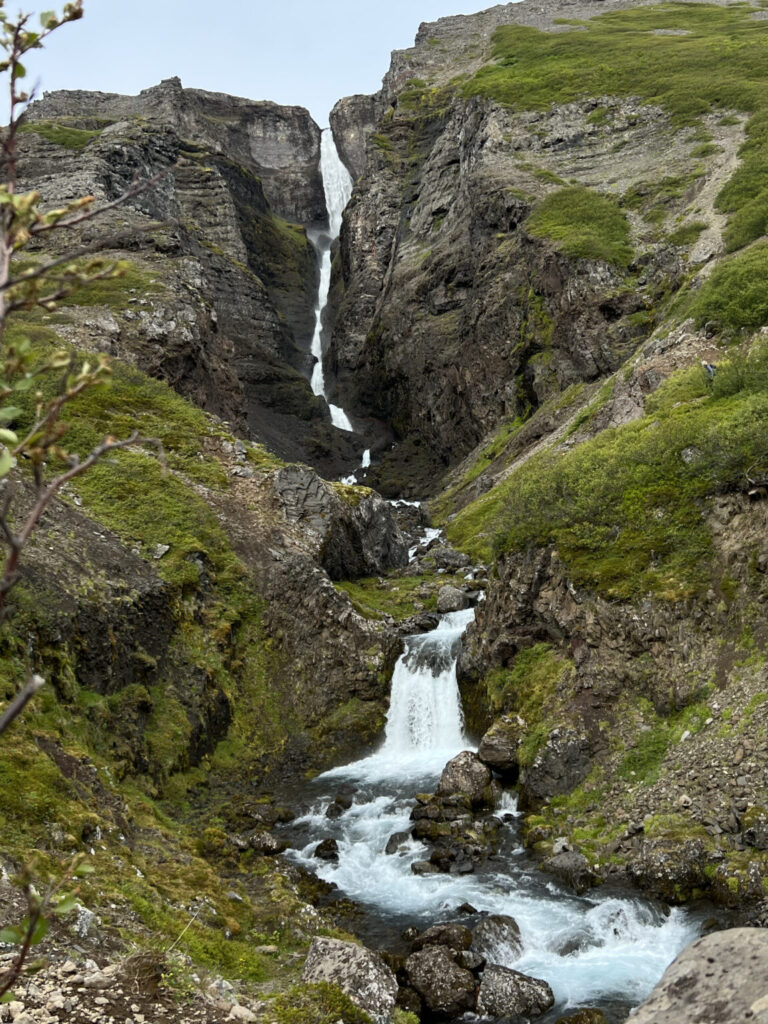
<point x="305" y="52"/>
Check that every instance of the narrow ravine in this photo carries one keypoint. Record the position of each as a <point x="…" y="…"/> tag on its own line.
<point x="606" y="948"/>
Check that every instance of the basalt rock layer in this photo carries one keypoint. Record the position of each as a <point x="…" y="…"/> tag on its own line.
<point x="216" y="247"/>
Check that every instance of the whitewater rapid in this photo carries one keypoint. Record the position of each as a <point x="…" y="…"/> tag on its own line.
<point x="604" y="948"/>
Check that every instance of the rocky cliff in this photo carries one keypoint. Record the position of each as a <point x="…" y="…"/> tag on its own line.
<point x="224" y="275"/>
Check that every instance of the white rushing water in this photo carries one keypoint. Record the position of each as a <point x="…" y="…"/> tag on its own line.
<point x="337" y="185"/>
<point x="598" y="948"/>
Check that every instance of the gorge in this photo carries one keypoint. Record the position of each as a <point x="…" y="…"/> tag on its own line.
<point x="446" y="607"/>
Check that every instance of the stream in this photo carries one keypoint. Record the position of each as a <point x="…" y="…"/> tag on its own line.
<point x="606" y="948"/>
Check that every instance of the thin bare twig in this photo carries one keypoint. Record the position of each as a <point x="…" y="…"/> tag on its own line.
<point x="19" y="702"/>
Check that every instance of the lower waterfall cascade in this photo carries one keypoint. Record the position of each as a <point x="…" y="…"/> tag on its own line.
<point x="605" y="948"/>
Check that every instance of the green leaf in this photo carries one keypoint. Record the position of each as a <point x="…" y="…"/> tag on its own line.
<point x="6" y="465"/>
<point x="46" y="17"/>
<point x="65" y="905"/>
<point x="40" y="930"/>
<point x="84" y="869"/>
<point x="19" y="71"/>
<point x="13" y="934"/>
<point x="7" y="998"/>
<point x="8" y="436"/>
<point x="9" y="412"/>
<point x="25" y="384"/>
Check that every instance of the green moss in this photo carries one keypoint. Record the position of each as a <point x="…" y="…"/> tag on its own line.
<point x="61" y="135"/>
<point x="317" y="1004"/>
<point x="115" y="291"/>
<point x="642" y="762"/>
<point x="735" y="295"/>
<point x="584" y="224"/>
<point x="376" y="597"/>
<point x="529" y="689"/>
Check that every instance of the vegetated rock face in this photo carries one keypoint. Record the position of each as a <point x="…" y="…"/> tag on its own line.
<point x="452" y="316"/>
<point x="358" y="972"/>
<point x="720" y="979"/>
<point x="220" y="295"/>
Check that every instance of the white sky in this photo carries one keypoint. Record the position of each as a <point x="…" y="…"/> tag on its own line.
<point x="305" y="52"/>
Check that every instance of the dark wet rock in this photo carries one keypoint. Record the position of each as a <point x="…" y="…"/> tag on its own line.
<point x="334" y="811"/>
<point x="466" y="908"/>
<point x="465" y="774"/>
<point x="507" y="993"/>
<point x="454" y="936"/>
<point x="720" y="979"/>
<point x="451" y="599"/>
<point x="327" y="849"/>
<point x="358" y="972"/>
<point x="408" y="999"/>
<point x="266" y="844"/>
<point x="446" y="988"/>
<point x="424" y="867"/>
<point x="561" y="764"/>
<point x="573" y="869"/>
<point x="395" y="841"/>
<point x="341" y="802"/>
<point x="498" y="747"/>
<point x="470" y="960"/>
<point x="497" y="935"/>
<point x="585" y="1016"/>
<point x="445" y="557"/>
<point x="351" y="540"/>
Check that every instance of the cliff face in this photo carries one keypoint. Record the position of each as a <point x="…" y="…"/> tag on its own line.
<point x="225" y="275"/>
<point x="458" y="306"/>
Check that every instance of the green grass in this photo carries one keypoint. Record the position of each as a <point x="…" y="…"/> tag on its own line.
<point x="686" y="234"/>
<point x="718" y="65"/>
<point x="584" y="224"/>
<point x="735" y="295"/>
<point x="624" y="508"/>
<point x="61" y="135"/>
<point x="395" y="596"/>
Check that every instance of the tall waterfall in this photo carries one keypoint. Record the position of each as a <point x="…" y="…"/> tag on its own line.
<point x="337" y="185"/>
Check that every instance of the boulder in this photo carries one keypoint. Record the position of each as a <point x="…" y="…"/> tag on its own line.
<point x="573" y="869"/>
<point x="447" y="989"/>
<point x="451" y="599"/>
<point x="327" y="849"/>
<point x="395" y="841"/>
<point x="561" y="764"/>
<point x="498" y="747"/>
<point x="507" y="993"/>
<point x="357" y="971"/>
<point x="266" y="844"/>
<point x="351" y="538"/>
<point x="424" y="867"/>
<point x="454" y="936"/>
<point x="755" y="828"/>
<point x="720" y="979"/>
<point x="465" y="774"/>
<point x="497" y="936"/>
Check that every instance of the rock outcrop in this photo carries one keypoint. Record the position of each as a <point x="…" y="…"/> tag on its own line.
<point x="358" y="972"/>
<point x="720" y="979"/>
<point x="219" y="293"/>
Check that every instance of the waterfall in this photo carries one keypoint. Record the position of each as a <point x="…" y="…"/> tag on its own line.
<point x="337" y="185"/>
<point x="601" y="947"/>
